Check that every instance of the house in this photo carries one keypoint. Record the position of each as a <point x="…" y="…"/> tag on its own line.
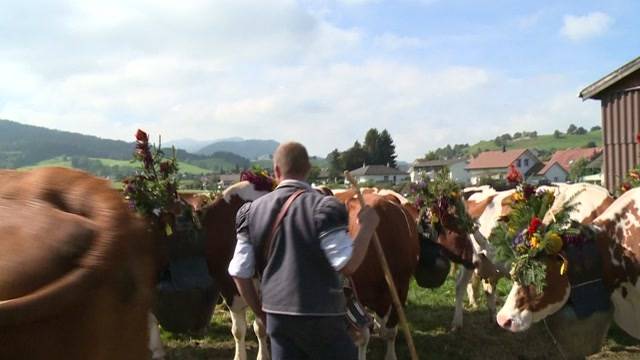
<point x="558" y="167"/>
<point x="226" y="180"/>
<point x="619" y="93"/>
<point x="495" y="164"/>
<point x="429" y="168"/>
<point x="378" y="174"/>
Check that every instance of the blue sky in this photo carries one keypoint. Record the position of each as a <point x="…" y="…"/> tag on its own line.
<point x="321" y="72"/>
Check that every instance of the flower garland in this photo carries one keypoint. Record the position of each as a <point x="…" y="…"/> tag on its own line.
<point x="524" y="239"/>
<point x="441" y="200"/>
<point x="632" y="180"/>
<point x="260" y="179"/>
<point x="153" y="190"/>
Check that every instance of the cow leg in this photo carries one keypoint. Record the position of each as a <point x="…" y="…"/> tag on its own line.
<point x="362" y="343"/>
<point x="238" y="311"/>
<point x="261" y="333"/>
<point x="472" y="288"/>
<point x="490" y="288"/>
<point x="155" y="343"/>
<point x="388" y="335"/>
<point x="461" y="284"/>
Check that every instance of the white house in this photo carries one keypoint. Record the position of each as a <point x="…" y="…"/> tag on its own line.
<point x="378" y="174"/>
<point x="495" y="164"/>
<point x="455" y="167"/>
<point x="558" y="167"/>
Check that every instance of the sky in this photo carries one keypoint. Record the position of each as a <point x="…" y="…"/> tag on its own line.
<point x="321" y="72"/>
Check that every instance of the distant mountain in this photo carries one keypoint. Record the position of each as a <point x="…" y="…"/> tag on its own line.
<point x="26" y="145"/>
<point x="193" y="145"/>
<point x="250" y="149"/>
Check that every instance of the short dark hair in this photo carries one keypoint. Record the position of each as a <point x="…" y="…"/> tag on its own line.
<point x="292" y="159"/>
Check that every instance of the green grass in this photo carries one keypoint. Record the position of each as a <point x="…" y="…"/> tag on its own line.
<point x="429" y="313"/>
<point x="544" y="142"/>
<point x="56" y="161"/>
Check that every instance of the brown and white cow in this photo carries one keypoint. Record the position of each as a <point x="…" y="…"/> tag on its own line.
<point x="492" y="206"/>
<point x="76" y="269"/>
<point x="399" y="239"/>
<point x="618" y="245"/>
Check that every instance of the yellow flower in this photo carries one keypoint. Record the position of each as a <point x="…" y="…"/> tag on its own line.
<point x="518" y="196"/>
<point x="454" y="194"/>
<point x="511" y="232"/>
<point x="553" y="243"/>
<point x="535" y="241"/>
<point x="434" y="219"/>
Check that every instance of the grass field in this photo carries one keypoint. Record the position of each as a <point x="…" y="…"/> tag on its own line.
<point x="544" y="142"/>
<point x="429" y="313"/>
<point x="60" y="161"/>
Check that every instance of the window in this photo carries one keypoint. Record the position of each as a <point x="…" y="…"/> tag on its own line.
<point x="386" y="178"/>
<point x="555" y="178"/>
<point x="526" y="162"/>
<point x="518" y="164"/>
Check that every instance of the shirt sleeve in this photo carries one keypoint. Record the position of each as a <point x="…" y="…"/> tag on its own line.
<point x="332" y="220"/>
<point x="243" y="263"/>
<point x="337" y="247"/>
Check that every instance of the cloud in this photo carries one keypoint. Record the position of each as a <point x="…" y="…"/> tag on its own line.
<point x="389" y="41"/>
<point x="577" y="28"/>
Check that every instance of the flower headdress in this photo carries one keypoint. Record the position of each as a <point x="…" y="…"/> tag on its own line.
<point x="632" y="179"/>
<point x="260" y="179"/>
<point x="441" y="200"/>
<point x="153" y="190"/>
<point x="523" y="240"/>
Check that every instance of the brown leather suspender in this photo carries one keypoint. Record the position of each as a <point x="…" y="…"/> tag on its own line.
<point x="269" y="242"/>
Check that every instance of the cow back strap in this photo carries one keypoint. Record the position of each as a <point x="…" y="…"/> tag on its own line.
<point x="269" y="244"/>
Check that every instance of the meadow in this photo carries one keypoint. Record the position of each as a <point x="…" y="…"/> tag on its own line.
<point x="429" y="313"/>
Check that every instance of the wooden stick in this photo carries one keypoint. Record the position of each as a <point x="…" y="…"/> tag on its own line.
<point x="387" y="275"/>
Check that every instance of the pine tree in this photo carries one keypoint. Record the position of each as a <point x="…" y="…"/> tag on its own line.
<point x="387" y="149"/>
<point x="336" y="167"/>
<point x="371" y="140"/>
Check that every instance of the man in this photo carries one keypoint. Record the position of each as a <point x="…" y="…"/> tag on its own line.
<point x="302" y="304"/>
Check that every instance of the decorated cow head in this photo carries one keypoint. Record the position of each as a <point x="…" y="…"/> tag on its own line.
<point x="595" y="269"/>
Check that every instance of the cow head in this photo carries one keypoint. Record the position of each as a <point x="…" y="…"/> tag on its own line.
<point x="525" y="305"/>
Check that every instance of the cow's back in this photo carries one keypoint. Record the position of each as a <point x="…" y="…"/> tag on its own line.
<point x="399" y="240"/>
<point x="75" y="269"/>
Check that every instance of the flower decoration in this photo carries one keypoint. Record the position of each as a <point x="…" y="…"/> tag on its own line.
<point x="153" y="190"/>
<point x="525" y="248"/>
<point x="441" y="200"/>
<point x="260" y="179"/>
<point x="514" y="176"/>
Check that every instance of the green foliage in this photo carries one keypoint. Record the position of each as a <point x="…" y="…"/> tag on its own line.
<point x="448" y="152"/>
<point x="557" y="134"/>
<point x="378" y="149"/>
<point x="441" y="198"/>
<point x="578" y="169"/>
<point x="523" y="239"/>
<point x="572" y="129"/>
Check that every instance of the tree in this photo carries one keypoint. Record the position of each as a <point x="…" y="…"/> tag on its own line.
<point x="533" y="134"/>
<point x="387" y="149"/>
<point x="578" y="169"/>
<point x="314" y="173"/>
<point x="371" y="143"/>
<point x="517" y="135"/>
<point x="557" y="134"/>
<point x="336" y="166"/>
<point x="572" y="129"/>
<point x="596" y="128"/>
<point x="354" y="157"/>
<point x="591" y="144"/>
<point x="580" y="131"/>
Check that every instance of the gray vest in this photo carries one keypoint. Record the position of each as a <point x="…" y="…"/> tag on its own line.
<point x="298" y="279"/>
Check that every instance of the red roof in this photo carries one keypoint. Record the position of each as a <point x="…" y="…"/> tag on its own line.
<point x="495" y="159"/>
<point x="565" y="158"/>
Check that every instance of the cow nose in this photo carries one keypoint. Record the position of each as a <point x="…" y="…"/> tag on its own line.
<point x="504" y="322"/>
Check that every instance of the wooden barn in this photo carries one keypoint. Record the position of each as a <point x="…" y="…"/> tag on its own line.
<point x="619" y="93"/>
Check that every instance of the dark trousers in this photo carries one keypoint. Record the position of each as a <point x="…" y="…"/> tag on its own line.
<point x="309" y="337"/>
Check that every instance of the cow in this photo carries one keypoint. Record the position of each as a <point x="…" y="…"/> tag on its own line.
<point x="617" y="244"/>
<point x="399" y="239"/>
<point x="489" y="207"/>
<point x="76" y="269"/>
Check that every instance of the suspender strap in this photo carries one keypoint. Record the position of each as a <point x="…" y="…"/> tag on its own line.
<point x="269" y="244"/>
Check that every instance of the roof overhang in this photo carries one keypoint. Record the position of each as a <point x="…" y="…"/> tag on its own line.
<point x="597" y="87"/>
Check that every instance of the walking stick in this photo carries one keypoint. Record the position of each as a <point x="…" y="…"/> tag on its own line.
<point x="387" y="276"/>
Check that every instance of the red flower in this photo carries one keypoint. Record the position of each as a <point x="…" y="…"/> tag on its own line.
<point x="638" y="137"/>
<point x="625" y="187"/>
<point x="514" y="176"/>
<point x="534" y="225"/>
<point x="142" y="136"/>
<point x="260" y="182"/>
<point x="528" y="190"/>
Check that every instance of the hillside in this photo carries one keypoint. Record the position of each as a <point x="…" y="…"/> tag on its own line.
<point x="543" y="142"/>
<point x="250" y="149"/>
<point x="26" y="146"/>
